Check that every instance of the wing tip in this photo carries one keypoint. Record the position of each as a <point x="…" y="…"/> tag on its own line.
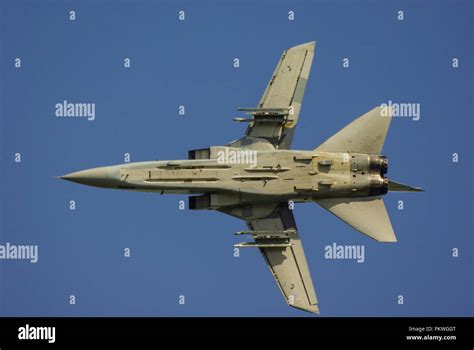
<point x="312" y="308"/>
<point x="388" y="240"/>
<point x="306" y="46"/>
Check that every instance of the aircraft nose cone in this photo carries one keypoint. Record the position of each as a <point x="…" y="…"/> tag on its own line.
<point x="98" y="177"/>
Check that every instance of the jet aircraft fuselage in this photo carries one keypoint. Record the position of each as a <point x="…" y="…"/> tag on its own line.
<point x="259" y="176"/>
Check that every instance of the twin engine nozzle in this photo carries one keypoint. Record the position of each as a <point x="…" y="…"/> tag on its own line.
<point x="378" y="164"/>
<point x="378" y="167"/>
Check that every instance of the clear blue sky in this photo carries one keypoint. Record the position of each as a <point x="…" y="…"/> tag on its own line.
<point x="190" y="63"/>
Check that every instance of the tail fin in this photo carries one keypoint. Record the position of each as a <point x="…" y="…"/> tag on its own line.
<point x="366" y="134"/>
<point x="367" y="215"/>
<point x="398" y="187"/>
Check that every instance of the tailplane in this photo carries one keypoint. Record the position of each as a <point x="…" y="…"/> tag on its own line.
<point x="367" y="215"/>
<point x="366" y="134"/>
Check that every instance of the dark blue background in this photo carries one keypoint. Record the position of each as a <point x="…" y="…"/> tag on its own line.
<point x="191" y="63"/>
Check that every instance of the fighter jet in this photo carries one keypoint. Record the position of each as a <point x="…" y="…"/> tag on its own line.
<point x="258" y="178"/>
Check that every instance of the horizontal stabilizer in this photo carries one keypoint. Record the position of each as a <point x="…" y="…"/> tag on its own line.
<point x="367" y="215"/>
<point x="366" y="134"/>
<point x="398" y="187"/>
